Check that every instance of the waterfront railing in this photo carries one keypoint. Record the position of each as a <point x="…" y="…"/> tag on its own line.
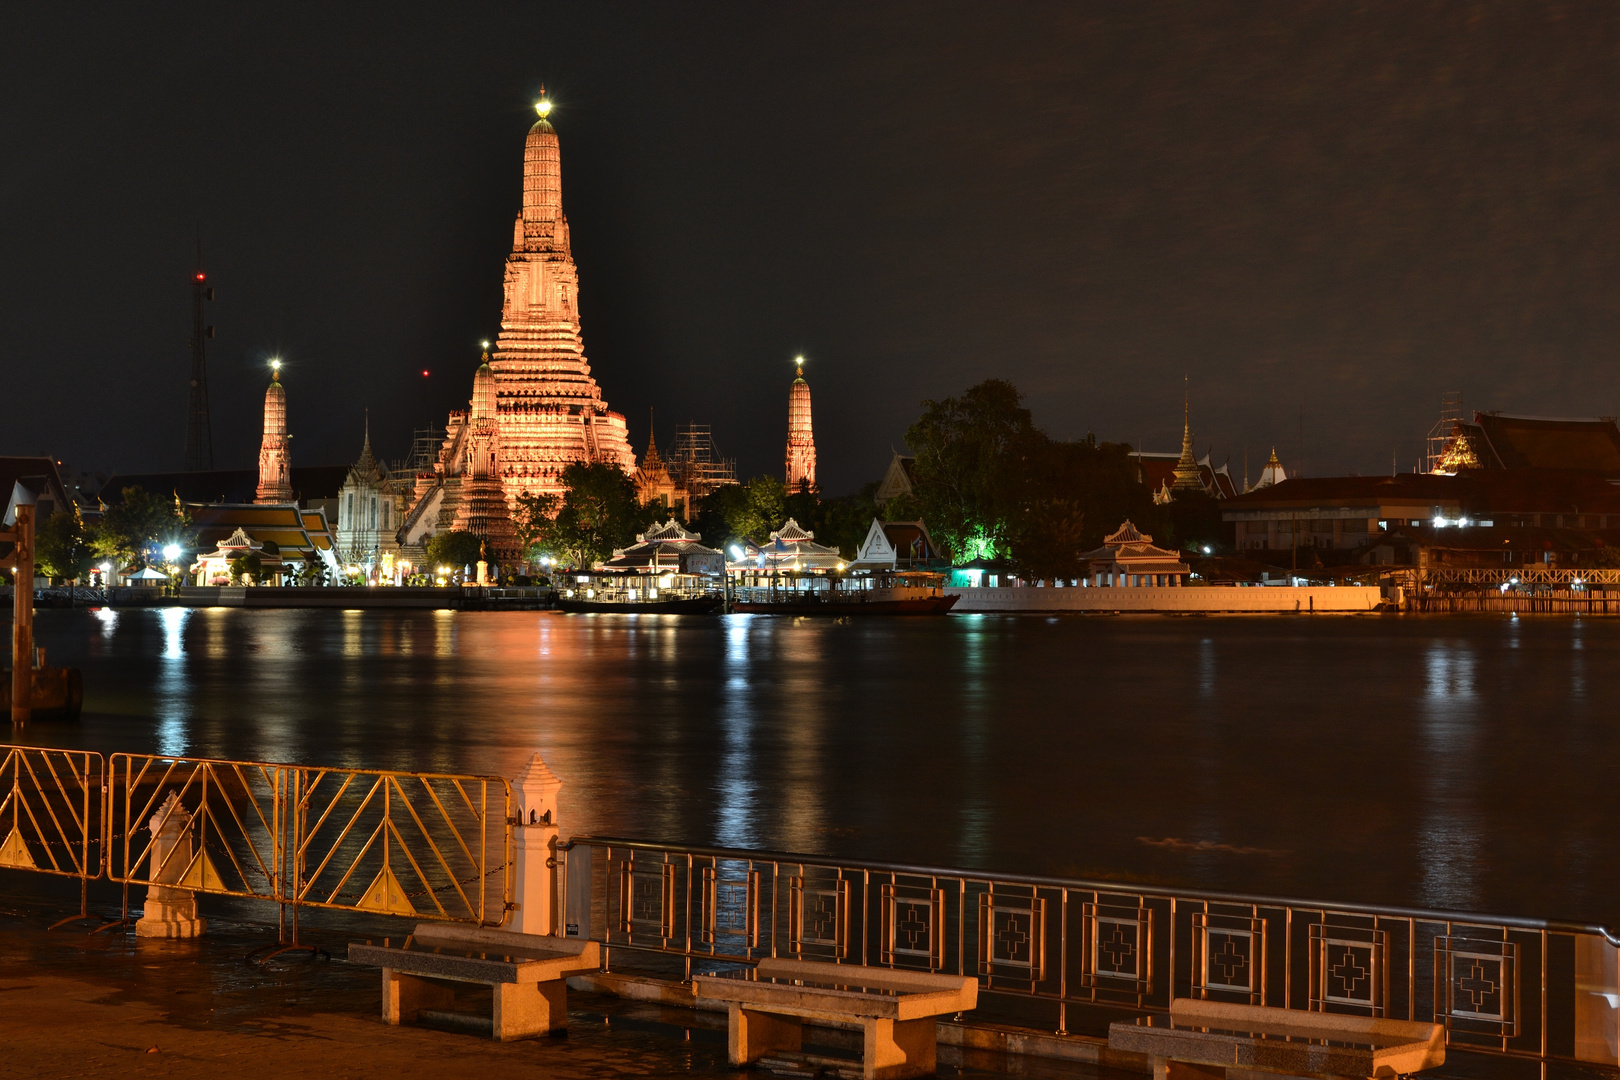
<point x="1080" y="953"/>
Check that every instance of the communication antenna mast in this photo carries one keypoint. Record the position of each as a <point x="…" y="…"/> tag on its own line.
<point x="199" y="434"/>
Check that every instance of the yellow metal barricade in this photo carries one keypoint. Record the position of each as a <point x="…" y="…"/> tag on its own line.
<point x="425" y="845"/>
<point x="51" y="811"/>
<point x="233" y="810"/>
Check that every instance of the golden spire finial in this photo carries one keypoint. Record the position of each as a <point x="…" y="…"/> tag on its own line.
<point x="543" y="106"/>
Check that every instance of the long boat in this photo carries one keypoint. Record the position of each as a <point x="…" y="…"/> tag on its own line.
<point x="903" y="593"/>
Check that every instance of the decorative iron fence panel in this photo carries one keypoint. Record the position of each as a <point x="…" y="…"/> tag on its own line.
<point x="1089" y="950"/>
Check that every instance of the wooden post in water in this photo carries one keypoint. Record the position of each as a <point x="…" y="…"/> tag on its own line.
<point x="22" y="622"/>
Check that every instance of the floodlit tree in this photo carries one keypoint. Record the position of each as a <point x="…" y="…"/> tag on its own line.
<point x="599" y="512"/>
<point x="534" y="522"/>
<point x="971" y="455"/>
<point x="455" y="548"/>
<point x="62" y="546"/>
<point x="135" y="528"/>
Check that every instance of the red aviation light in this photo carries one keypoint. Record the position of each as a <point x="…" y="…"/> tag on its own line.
<point x="201" y="276"/>
<point x="424" y="373"/>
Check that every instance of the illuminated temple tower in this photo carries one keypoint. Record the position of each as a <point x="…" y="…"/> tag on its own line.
<point x="801" y="444"/>
<point x="275" y="460"/>
<point x="482" y="506"/>
<point x="542" y="410"/>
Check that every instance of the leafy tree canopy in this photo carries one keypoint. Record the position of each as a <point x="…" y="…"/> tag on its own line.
<point x="971" y="455"/>
<point x="992" y="485"/>
<point x="136" y="528"/>
<point x="62" y="546"/>
<point x="598" y="513"/>
<point x="455" y="548"/>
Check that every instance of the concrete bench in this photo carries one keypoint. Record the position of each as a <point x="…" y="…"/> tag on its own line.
<point x="768" y="1005"/>
<point x="1201" y="1040"/>
<point x="525" y="971"/>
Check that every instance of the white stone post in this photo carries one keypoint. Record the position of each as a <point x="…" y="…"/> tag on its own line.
<point x="170" y="912"/>
<point x="536" y="849"/>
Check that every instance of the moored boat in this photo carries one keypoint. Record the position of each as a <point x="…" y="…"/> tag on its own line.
<point x="885" y="593"/>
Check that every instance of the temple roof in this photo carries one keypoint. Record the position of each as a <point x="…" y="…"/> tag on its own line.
<point x="791" y="533"/>
<point x="1502" y="441"/>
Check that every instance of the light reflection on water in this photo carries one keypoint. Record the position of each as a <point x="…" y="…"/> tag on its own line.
<point x="1456" y="763"/>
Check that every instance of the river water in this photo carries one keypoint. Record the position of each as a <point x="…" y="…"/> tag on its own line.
<point x="1455" y="763"/>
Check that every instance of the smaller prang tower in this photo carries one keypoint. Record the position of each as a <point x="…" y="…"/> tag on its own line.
<point x="1186" y="471"/>
<point x="801" y="443"/>
<point x="275" y="457"/>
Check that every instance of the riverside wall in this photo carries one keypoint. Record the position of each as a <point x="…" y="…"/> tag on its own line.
<point x="1193" y="598"/>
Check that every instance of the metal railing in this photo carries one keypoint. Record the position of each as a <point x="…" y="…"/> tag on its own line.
<point x="401" y="843"/>
<point x="234" y="811"/>
<point x="1085" y="950"/>
<point x="51" y="811"/>
<point x="424" y="845"/>
<point x="1526" y="576"/>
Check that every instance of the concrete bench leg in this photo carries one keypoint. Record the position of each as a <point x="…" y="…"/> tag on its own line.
<point x="751" y="1035"/>
<point x="406" y="995"/>
<point x="526" y="1009"/>
<point x="899" y="1048"/>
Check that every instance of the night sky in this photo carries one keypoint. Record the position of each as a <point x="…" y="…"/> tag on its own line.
<point x="1324" y="214"/>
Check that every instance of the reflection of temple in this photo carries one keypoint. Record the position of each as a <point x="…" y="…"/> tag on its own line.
<point x="536" y="409"/>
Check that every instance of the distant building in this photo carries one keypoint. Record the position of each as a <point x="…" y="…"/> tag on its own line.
<point x="1354" y="513"/>
<point x="1495" y="440"/>
<point x="1128" y="559"/>
<point x="801" y="442"/>
<point x="32" y="481"/>
<point x="275" y="450"/>
<point x="1273" y="473"/>
<point x="898" y="480"/>
<point x="368" y="510"/>
<point x="222" y="502"/>
<point x="536" y="408"/>
<point x="897" y="545"/>
<point x="668" y="548"/>
<point x="1157" y="473"/>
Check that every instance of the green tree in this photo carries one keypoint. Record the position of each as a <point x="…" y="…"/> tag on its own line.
<point x="760" y="508"/>
<point x="534" y="520"/>
<point x="456" y="549"/>
<point x="600" y="511"/>
<point x="972" y="456"/>
<point x="133" y="529"/>
<point x="62" y="548"/>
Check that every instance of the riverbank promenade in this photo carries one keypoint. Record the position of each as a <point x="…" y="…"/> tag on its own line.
<point x="83" y="1004"/>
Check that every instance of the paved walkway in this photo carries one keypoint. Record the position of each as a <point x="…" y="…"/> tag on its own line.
<point x="75" y="1004"/>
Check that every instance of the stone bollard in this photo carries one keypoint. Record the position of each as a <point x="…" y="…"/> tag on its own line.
<point x="535" y="873"/>
<point x="170" y="912"/>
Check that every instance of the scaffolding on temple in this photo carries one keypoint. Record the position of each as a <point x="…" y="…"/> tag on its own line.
<point x="1451" y="411"/>
<point x="696" y="465"/>
<point x="425" y="445"/>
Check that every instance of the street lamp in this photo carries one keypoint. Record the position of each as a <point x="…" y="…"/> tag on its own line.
<point x="171" y="552"/>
